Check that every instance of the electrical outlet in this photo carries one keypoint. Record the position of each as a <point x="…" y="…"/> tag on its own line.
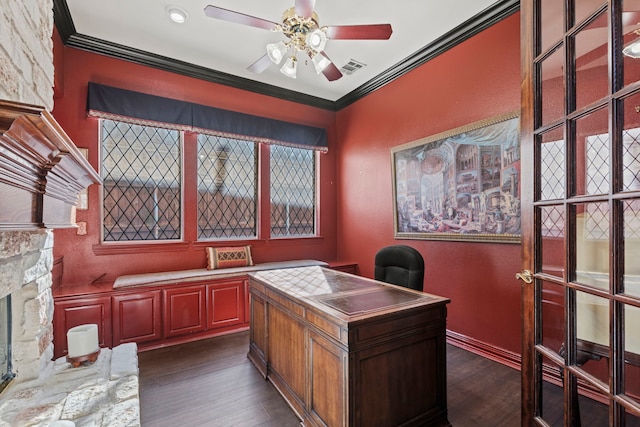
<point x="82" y="228"/>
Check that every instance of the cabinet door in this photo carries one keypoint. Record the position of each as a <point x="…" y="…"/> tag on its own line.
<point x="286" y="353"/>
<point x="247" y="302"/>
<point x="328" y="401"/>
<point x="184" y="310"/>
<point x="136" y="317"/>
<point x="226" y="303"/>
<point x="258" y="334"/>
<point x="72" y="312"/>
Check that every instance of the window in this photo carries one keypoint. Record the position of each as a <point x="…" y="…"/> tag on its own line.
<point x="143" y="194"/>
<point x="293" y="191"/>
<point x="227" y="188"/>
<point x="597" y="225"/>
<point x="552" y="169"/>
<point x="141" y="171"/>
<point x="597" y="182"/>
<point x="553" y="186"/>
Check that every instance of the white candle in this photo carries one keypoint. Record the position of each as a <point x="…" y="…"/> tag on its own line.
<point x="82" y="340"/>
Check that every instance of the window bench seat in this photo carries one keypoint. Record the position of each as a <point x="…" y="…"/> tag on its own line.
<point x="188" y="276"/>
<point x="162" y="308"/>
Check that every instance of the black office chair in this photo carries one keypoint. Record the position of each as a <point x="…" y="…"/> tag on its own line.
<point x="400" y="265"/>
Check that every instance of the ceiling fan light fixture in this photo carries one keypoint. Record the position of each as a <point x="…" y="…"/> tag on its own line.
<point x="632" y="50"/>
<point x="301" y="26"/>
<point x="289" y="68"/>
<point x="320" y="62"/>
<point x="177" y="14"/>
<point x="316" y="40"/>
<point x="276" y="51"/>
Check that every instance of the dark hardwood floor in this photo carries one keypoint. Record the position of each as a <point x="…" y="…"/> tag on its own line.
<point x="481" y="392"/>
<point x="212" y="383"/>
<point x="208" y="383"/>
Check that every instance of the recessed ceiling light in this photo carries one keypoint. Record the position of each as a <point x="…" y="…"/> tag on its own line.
<point x="177" y="14"/>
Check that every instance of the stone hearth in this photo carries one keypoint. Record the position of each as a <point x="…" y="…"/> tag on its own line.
<point x="102" y="394"/>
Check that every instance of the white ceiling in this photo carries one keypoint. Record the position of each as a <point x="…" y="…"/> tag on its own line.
<point x="230" y="48"/>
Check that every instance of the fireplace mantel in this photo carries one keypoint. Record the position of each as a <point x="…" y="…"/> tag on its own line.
<point x="41" y="170"/>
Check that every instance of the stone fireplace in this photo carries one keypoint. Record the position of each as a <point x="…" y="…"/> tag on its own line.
<point x="27" y="74"/>
<point x="25" y="274"/>
<point x="102" y="394"/>
<point x="41" y="174"/>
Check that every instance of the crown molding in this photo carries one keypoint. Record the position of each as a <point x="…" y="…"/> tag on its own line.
<point x="464" y="31"/>
<point x="127" y="53"/>
<point x="471" y="27"/>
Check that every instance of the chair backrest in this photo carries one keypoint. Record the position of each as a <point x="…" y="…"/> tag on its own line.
<point x="400" y="265"/>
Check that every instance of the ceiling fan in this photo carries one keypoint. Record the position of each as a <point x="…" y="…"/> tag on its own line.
<point x="304" y="34"/>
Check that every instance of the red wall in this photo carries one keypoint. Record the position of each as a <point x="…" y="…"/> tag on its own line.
<point x="81" y="264"/>
<point x="478" y="79"/>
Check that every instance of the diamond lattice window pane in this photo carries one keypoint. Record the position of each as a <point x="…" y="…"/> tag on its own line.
<point x="631" y="159"/>
<point x="227" y="188"/>
<point x="596" y="221"/>
<point x="141" y="182"/>
<point x="293" y="191"/>
<point x="552" y="170"/>
<point x="598" y="164"/>
<point x="552" y="222"/>
<point x="632" y="220"/>
<point x="631" y="212"/>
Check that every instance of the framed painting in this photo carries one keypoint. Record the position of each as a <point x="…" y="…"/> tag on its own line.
<point x="463" y="184"/>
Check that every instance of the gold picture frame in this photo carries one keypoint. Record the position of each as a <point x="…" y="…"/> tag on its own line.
<point x="460" y="185"/>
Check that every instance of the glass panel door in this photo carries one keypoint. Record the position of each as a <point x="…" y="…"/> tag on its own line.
<point x="580" y="128"/>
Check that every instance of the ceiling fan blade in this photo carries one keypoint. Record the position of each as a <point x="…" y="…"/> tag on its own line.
<point x="360" y="32"/>
<point x="304" y="8"/>
<point x="630" y="18"/>
<point x="238" y="18"/>
<point x="331" y="72"/>
<point x="260" y="65"/>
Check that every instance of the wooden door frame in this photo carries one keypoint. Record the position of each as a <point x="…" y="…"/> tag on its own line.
<point x="527" y="213"/>
<point x="618" y="92"/>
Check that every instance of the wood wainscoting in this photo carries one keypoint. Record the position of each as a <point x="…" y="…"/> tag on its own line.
<point x="483" y="349"/>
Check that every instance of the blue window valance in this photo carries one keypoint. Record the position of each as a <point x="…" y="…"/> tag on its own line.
<point x="140" y="108"/>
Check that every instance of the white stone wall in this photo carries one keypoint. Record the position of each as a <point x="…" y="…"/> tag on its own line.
<point x="27" y="76"/>
<point x="26" y="51"/>
<point x="26" y="259"/>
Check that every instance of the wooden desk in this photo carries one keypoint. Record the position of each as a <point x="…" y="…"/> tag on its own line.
<point x="344" y="350"/>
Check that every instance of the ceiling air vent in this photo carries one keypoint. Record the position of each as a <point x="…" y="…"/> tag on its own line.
<point x="352" y="66"/>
